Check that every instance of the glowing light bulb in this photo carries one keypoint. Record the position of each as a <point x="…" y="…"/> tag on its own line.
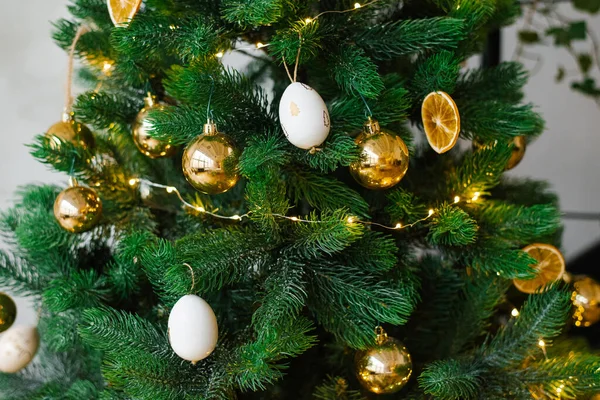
<point x="350" y="220"/>
<point x="219" y="54"/>
<point x="171" y="189"/>
<point x="456" y="199"/>
<point x="541" y="343"/>
<point x="107" y="66"/>
<point x="294" y="219"/>
<point x="236" y="217"/>
<point x="259" y="45"/>
<point x="430" y="212"/>
<point x="514" y="312"/>
<point x="200" y="209"/>
<point x="308" y="20"/>
<point x="398" y="225"/>
<point x="475" y="196"/>
<point x="133" y="181"/>
<point x="357" y="5"/>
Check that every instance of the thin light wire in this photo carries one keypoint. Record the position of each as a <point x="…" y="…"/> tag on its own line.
<point x="345" y="11"/>
<point x="173" y="189"/>
<point x="351" y="219"/>
<point x="68" y="95"/>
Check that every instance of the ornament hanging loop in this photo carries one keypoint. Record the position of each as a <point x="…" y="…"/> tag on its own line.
<point x="380" y="335"/>
<point x="68" y="91"/>
<point x="193" y="277"/>
<point x="211" y="90"/>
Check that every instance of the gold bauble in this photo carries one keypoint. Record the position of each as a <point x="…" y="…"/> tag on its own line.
<point x="203" y="162"/>
<point x="70" y="131"/>
<point x="8" y="312"/>
<point x="77" y="209"/>
<point x="151" y="147"/>
<point x="384" y="157"/>
<point x="586" y="300"/>
<point x="518" y="151"/>
<point x="519" y="144"/>
<point x="384" y="368"/>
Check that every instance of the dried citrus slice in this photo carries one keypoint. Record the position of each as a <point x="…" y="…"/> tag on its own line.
<point x="441" y="121"/>
<point x="550" y="267"/>
<point x="122" y="11"/>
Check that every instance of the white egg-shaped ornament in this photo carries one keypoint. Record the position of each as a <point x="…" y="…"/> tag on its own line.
<point x="303" y="115"/>
<point x="193" y="329"/>
<point x="18" y="346"/>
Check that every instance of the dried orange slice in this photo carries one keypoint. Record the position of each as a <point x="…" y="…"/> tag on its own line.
<point x="550" y="267"/>
<point x="122" y="11"/>
<point x="441" y="121"/>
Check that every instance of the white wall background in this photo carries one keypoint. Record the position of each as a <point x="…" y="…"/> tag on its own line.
<point x="32" y="77"/>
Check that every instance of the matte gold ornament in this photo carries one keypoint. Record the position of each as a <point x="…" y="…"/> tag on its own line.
<point x="8" y="312"/>
<point x="149" y="146"/>
<point x="384" y="368"/>
<point x="204" y="162"/>
<point x="77" y="209"/>
<point x="518" y="151"/>
<point x="70" y="131"/>
<point x="586" y="300"/>
<point x="384" y="157"/>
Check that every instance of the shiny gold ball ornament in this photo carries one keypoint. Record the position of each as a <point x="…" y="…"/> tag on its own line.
<point x="384" y="368"/>
<point x="149" y="146"/>
<point x="8" y="312"/>
<point x="384" y="157"/>
<point x="77" y="209"/>
<point x="518" y="151"/>
<point x="68" y="130"/>
<point x="586" y="300"/>
<point x="209" y="162"/>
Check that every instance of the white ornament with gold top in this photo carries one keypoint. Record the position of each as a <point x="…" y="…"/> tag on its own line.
<point x="303" y="115"/>
<point x="18" y="346"/>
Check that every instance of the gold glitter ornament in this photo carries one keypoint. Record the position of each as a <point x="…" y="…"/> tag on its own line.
<point x="77" y="209"/>
<point x="586" y="300"/>
<point x="384" y="157"/>
<point x="8" y="312"/>
<point x="384" y="368"/>
<point x="204" y="162"/>
<point x="149" y="146"/>
<point x="68" y="130"/>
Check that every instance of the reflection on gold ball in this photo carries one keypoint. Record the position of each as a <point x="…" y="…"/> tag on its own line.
<point x="384" y="368"/>
<point x="518" y="151"/>
<point x="70" y="131"/>
<point x="204" y="162"/>
<point x="384" y="158"/>
<point x="586" y="300"/>
<point x="148" y="145"/>
<point x="8" y="312"/>
<point x="77" y="209"/>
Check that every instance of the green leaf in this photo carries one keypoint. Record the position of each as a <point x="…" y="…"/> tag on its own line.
<point x="529" y="37"/>
<point x="564" y="35"/>
<point x="585" y="62"/>
<point x="591" y="6"/>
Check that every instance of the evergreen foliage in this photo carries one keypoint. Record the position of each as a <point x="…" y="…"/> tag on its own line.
<point x="293" y="299"/>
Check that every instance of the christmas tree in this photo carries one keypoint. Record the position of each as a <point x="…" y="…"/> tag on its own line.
<point x="220" y="240"/>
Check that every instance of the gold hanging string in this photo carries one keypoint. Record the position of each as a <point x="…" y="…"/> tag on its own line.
<point x="68" y="91"/>
<point x="193" y="277"/>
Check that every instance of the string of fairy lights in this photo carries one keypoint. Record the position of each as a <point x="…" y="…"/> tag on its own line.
<point x="237" y="217"/>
